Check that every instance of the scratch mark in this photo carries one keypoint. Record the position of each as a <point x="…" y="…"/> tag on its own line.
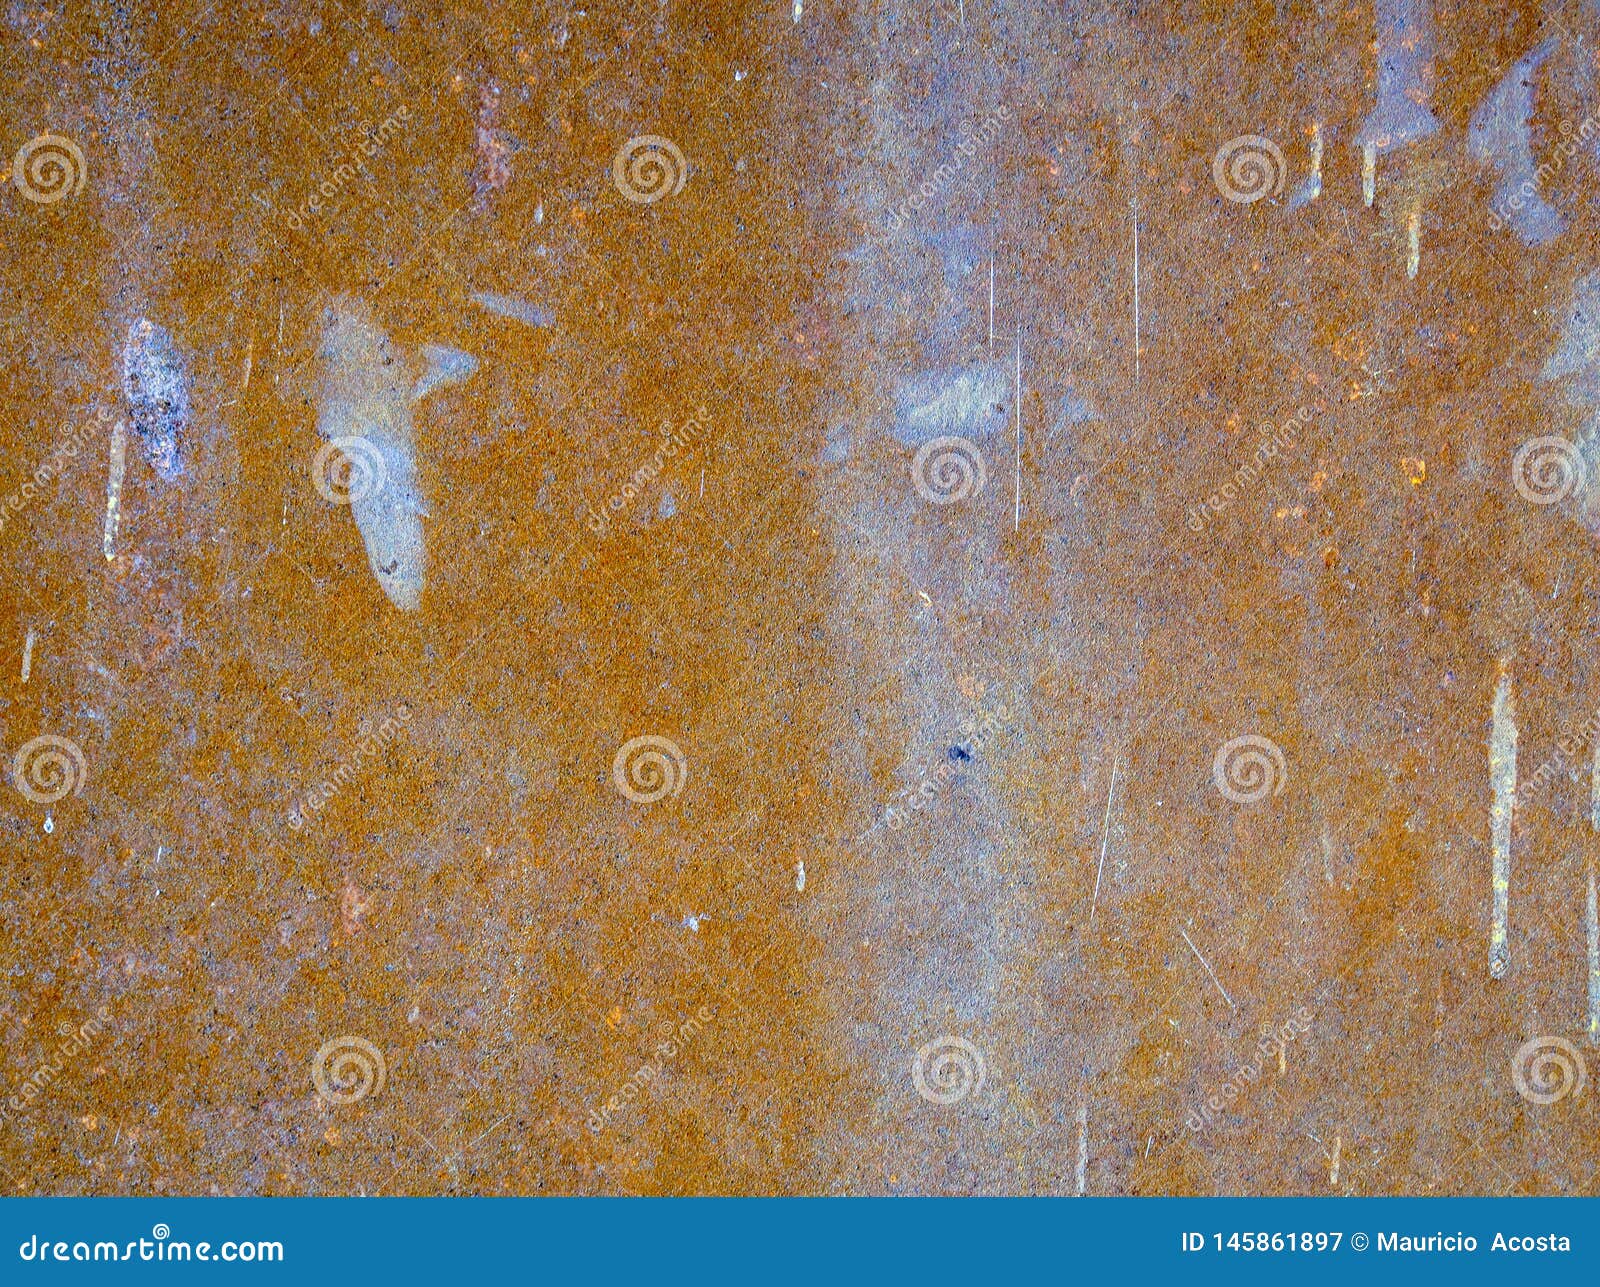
<point x="1333" y="1167"/>
<point x="27" y="669"/>
<point x="1209" y="970"/>
<point x="1105" y="840"/>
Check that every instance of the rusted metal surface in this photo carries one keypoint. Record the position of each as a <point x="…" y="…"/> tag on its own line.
<point x="983" y="620"/>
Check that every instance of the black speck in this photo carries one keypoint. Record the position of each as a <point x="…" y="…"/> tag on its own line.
<point x="959" y="753"/>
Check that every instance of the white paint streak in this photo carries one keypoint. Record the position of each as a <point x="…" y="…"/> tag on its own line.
<point x="1592" y="934"/>
<point x="1503" y="782"/>
<point x="1083" y="1148"/>
<point x="119" y="465"/>
<point x="1016" y="523"/>
<point x="27" y="654"/>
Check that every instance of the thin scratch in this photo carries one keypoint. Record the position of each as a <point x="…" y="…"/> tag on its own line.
<point x="1105" y="839"/>
<point x="1209" y="970"/>
<point x="27" y="669"/>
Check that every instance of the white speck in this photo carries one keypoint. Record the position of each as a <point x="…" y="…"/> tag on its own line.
<point x="800" y="877"/>
<point x="799" y="8"/>
<point x="49" y="824"/>
<point x="692" y="922"/>
<point x="739" y="75"/>
<point x="538" y="213"/>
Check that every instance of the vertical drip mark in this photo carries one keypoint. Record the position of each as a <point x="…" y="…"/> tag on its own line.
<point x="1136" y="291"/>
<point x="1083" y="1147"/>
<point x="1369" y="172"/>
<point x="1592" y="928"/>
<point x="991" y="304"/>
<point x="1333" y="1162"/>
<point x="119" y="463"/>
<point x="1016" y="523"/>
<point x="1413" y="241"/>
<point x="27" y="654"/>
<point x="1503" y="781"/>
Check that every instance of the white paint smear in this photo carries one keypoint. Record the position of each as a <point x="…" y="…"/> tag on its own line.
<point x="367" y="392"/>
